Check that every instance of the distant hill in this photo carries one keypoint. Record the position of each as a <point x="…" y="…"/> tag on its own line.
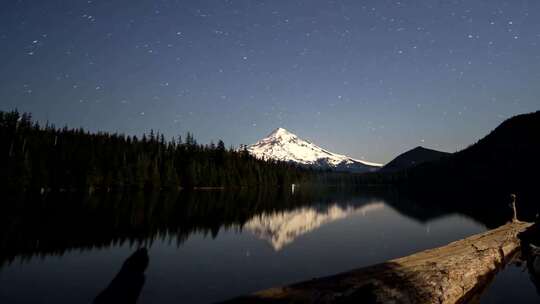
<point x="507" y="160"/>
<point x="413" y="158"/>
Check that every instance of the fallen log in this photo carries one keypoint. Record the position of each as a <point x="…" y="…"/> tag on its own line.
<point x="455" y="273"/>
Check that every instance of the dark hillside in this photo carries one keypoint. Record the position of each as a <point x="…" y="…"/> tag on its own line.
<point x="507" y="161"/>
<point x="413" y="158"/>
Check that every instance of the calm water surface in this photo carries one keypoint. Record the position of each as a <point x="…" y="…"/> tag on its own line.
<point x="206" y="247"/>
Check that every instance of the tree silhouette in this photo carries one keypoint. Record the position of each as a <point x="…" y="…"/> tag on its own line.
<point x="36" y="157"/>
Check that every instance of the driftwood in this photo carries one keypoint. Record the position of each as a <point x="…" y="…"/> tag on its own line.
<point x="455" y="273"/>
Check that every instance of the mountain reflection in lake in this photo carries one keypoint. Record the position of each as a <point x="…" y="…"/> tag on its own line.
<point x="205" y="246"/>
<point x="282" y="228"/>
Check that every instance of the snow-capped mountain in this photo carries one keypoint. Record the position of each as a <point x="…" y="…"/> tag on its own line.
<point x="283" y="145"/>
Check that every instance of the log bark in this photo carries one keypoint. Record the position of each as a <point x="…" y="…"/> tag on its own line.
<point x="455" y="273"/>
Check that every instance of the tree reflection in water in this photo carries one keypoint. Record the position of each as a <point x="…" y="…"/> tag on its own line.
<point x="127" y="284"/>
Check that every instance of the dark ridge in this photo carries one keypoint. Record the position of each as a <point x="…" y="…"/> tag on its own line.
<point x="507" y="160"/>
<point x="413" y="158"/>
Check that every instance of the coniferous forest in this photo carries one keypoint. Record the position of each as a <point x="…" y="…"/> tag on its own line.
<point x="46" y="157"/>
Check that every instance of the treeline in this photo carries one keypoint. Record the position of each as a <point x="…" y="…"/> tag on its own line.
<point x="46" y="157"/>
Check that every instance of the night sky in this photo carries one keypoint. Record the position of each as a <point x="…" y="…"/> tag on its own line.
<point x="370" y="79"/>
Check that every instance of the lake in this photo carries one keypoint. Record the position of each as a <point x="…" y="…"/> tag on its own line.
<point x="209" y="246"/>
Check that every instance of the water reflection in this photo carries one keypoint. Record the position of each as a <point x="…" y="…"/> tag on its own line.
<point x="58" y="222"/>
<point x="282" y="228"/>
<point x="519" y="281"/>
<point x="210" y="246"/>
<point x="51" y="224"/>
<point x="127" y="284"/>
<point x="533" y="265"/>
<point x="530" y="253"/>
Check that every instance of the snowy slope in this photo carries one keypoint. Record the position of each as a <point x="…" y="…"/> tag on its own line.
<point x="284" y="146"/>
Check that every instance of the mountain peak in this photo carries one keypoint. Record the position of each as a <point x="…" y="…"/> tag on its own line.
<point x="280" y="132"/>
<point x="285" y="146"/>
